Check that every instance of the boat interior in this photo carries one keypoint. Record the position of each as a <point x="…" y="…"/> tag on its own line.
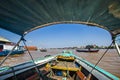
<point x="60" y="68"/>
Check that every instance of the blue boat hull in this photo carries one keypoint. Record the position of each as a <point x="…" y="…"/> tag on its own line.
<point x="4" y="53"/>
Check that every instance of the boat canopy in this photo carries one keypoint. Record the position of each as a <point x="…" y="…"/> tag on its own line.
<point x="23" y="16"/>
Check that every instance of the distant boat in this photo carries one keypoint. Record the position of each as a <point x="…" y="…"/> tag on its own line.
<point x="31" y="48"/>
<point x="87" y="50"/>
<point x="43" y="50"/>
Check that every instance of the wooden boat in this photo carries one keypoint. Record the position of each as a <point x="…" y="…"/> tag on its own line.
<point x="43" y="50"/>
<point x="63" y="66"/>
<point x="86" y="50"/>
<point x="24" y="16"/>
<point x="31" y="48"/>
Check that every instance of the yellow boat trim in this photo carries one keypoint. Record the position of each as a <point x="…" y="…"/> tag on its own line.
<point x="65" y="68"/>
<point x="65" y="58"/>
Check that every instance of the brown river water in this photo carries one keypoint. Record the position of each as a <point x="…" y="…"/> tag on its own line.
<point x="110" y="62"/>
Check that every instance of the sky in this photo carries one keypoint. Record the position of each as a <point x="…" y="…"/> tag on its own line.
<point x="63" y="35"/>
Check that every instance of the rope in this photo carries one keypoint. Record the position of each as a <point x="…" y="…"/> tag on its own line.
<point x="100" y="59"/>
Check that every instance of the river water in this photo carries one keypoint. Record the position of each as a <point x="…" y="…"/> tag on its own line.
<point x="110" y="62"/>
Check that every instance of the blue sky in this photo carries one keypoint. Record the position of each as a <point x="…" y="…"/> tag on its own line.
<point x="63" y="35"/>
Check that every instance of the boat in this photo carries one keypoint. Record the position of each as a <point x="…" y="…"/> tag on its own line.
<point x="5" y="52"/>
<point x="43" y="50"/>
<point x="23" y="16"/>
<point x="63" y="66"/>
<point x="31" y="48"/>
<point x="6" y="47"/>
<point x="86" y="50"/>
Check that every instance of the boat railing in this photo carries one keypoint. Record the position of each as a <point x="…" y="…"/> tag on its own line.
<point x="105" y="73"/>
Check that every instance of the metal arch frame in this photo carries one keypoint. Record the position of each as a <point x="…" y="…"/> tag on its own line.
<point x="69" y="22"/>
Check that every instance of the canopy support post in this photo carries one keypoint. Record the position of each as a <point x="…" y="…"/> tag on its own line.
<point x="15" y="77"/>
<point x="99" y="59"/>
<point x="11" y="51"/>
<point x="36" y="68"/>
<point x="117" y="47"/>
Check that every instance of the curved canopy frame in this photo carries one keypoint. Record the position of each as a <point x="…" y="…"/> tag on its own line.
<point x="23" y="16"/>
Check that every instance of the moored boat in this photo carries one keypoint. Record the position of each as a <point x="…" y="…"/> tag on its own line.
<point x="6" y="47"/>
<point x="5" y="52"/>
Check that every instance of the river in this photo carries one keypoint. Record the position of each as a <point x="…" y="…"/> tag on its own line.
<point x="110" y="62"/>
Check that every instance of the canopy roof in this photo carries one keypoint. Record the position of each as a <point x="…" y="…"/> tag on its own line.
<point x="23" y="16"/>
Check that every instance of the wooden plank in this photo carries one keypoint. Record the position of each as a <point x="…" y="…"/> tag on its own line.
<point x="81" y="75"/>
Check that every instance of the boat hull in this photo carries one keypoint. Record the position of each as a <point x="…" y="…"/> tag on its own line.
<point x="5" y="52"/>
<point x="43" y="50"/>
<point x="79" y="50"/>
